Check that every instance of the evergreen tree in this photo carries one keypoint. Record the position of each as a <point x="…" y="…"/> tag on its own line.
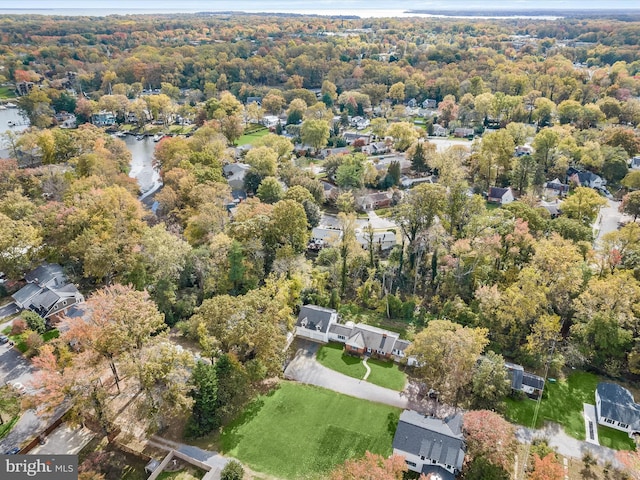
<point x="205" y="395"/>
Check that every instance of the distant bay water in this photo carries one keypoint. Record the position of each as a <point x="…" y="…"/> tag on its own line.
<point x="334" y="12"/>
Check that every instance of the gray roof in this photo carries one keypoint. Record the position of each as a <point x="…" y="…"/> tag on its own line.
<point x="313" y="317"/>
<point x="531" y="380"/>
<point x="340" y="329"/>
<point x="431" y="438"/>
<point x="497" y="192"/>
<point x="441" y="473"/>
<point x="45" y="273"/>
<point x="373" y="338"/>
<point x="24" y="295"/>
<point x="617" y="403"/>
<point x="402" y="344"/>
<point x="516" y="373"/>
<point x="46" y="299"/>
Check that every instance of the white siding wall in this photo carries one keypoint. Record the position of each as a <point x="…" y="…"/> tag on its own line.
<point x="410" y="458"/>
<point x="311" y="334"/>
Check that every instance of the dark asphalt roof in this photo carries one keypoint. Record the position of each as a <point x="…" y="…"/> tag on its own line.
<point x="617" y="403"/>
<point x="45" y="273"/>
<point x="496" y="192"/>
<point x="340" y="329"/>
<point x="532" y="380"/>
<point x="373" y="338"/>
<point x="313" y="317"/>
<point x="432" y="438"/>
<point x="23" y="295"/>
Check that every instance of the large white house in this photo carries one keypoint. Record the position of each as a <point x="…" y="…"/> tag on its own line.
<point x="430" y="445"/>
<point x="321" y="325"/>
<point x="616" y="408"/>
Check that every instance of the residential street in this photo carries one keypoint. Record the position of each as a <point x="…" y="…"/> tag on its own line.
<point x="608" y="219"/>
<point x="8" y="310"/>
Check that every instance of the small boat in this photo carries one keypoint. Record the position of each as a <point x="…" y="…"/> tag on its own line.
<point x="2" y="107"/>
<point x="11" y="124"/>
<point x="10" y="105"/>
<point x="139" y="137"/>
<point x="120" y="134"/>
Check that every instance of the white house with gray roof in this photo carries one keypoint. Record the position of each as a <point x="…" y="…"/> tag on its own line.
<point x="321" y="325"/>
<point x="314" y="322"/>
<point x="616" y="408"/>
<point x="430" y="445"/>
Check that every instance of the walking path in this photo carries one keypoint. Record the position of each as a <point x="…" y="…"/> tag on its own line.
<point x="214" y="459"/>
<point x="366" y="375"/>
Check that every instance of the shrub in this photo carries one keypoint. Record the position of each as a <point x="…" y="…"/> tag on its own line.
<point x="232" y="471"/>
<point x="35" y="322"/>
<point x="18" y="326"/>
<point x="33" y="342"/>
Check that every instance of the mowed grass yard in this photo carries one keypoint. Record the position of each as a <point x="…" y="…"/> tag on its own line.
<point x="562" y="404"/>
<point x="383" y="373"/>
<point x="300" y="431"/>
<point x="250" y="138"/>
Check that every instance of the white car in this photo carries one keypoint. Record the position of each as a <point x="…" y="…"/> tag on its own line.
<point x="18" y="387"/>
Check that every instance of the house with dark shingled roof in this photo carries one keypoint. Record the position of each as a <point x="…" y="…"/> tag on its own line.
<point x="616" y="408"/>
<point x="430" y="445"/>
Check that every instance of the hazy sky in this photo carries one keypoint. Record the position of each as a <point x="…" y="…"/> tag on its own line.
<point x="275" y="5"/>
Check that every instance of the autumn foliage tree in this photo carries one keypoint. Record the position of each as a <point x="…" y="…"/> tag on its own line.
<point x="371" y="467"/>
<point x="546" y="468"/>
<point x="489" y="436"/>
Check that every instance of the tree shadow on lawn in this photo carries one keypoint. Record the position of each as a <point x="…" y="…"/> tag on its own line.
<point x="230" y="436"/>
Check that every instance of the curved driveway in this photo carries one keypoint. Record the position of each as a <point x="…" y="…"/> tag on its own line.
<point x="305" y="368"/>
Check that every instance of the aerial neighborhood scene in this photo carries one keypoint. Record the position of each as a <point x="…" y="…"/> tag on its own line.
<point x="350" y="240"/>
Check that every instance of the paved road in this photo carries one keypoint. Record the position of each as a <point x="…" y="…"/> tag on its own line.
<point x="608" y="219"/>
<point x="305" y="369"/>
<point x="8" y="310"/>
<point x="566" y="445"/>
<point x="14" y="367"/>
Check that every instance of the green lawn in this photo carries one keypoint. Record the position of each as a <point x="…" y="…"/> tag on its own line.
<point x="191" y="473"/>
<point x="250" y="138"/>
<point x="562" y="404"/>
<point x="615" y="439"/>
<point x="383" y="373"/>
<point x="21" y="340"/>
<point x="7" y="426"/>
<point x="386" y="374"/>
<point x="7" y="92"/>
<point x="300" y="431"/>
<point x="332" y="356"/>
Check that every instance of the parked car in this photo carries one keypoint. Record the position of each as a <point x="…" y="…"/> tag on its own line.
<point x="12" y="451"/>
<point x="3" y="339"/>
<point x="17" y="386"/>
<point x="604" y="192"/>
